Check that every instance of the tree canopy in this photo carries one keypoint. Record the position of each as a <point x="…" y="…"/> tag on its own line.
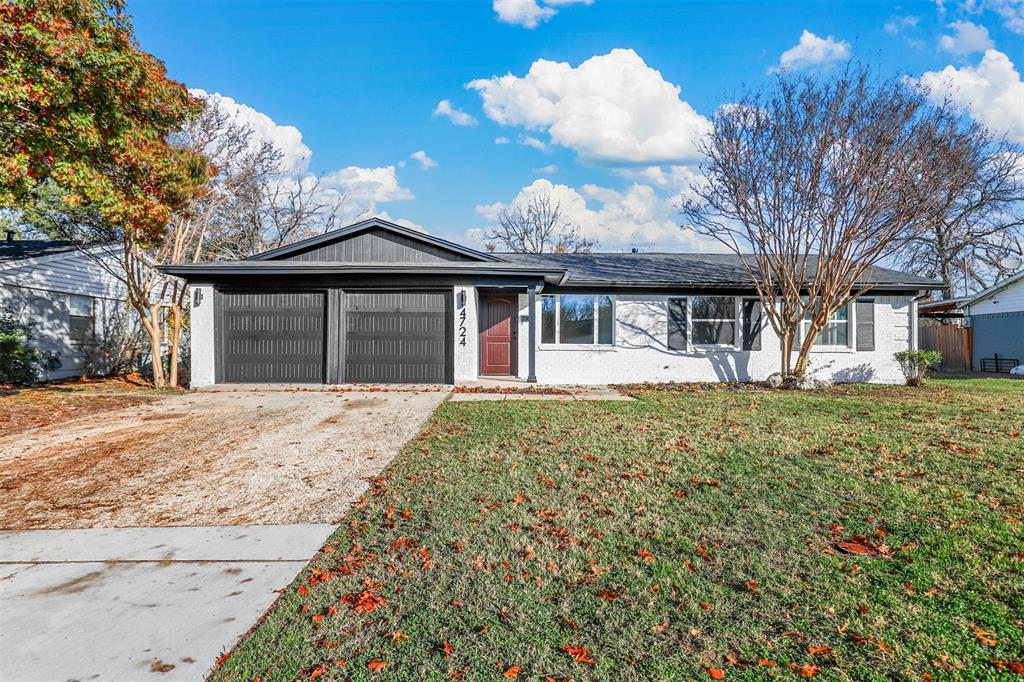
<point x="82" y="105"/>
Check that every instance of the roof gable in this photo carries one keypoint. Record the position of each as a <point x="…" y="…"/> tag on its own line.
<point x="375" y="241"/>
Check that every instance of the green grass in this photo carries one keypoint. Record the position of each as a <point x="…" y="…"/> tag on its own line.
<point x="688" y="530"/>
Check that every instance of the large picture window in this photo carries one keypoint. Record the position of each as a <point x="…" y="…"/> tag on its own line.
<point x="573" y="319"/>
<point x="713" y="320"/>
<point x="836" y="331"/>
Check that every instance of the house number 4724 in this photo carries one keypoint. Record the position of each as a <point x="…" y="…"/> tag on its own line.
<point x="462" y="327"/>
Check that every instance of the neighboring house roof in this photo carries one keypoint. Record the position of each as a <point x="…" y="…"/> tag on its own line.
<point x="640" y="270"/>
<point x="19" y="249"/>
<point x="943" y="304"/>
<point x="996" y="288"/>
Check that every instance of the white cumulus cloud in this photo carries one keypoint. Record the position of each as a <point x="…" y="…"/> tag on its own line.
<point x="812" y="50"/>
<point x="898" y="24"/>
<point x="426" y="163"/>
<point x="612" y="109"/>
<point x="967" y="38"/>
<point x="361" y="188"/>
<point x="501" y="140"/>
<point x="992" y="91"/>
<point x="453" y="114"/>
<point x="637" y="216"/>
<point x="295" y="154"/>
<point x="1011" y="11"/>
<point x="530" y="13"/>
<point x="367" y="186"/>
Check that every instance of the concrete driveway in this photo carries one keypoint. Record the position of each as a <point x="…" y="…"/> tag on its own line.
<point x="142" y="543"/>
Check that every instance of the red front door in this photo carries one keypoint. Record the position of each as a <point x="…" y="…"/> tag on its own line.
<point x="498" y="335"/>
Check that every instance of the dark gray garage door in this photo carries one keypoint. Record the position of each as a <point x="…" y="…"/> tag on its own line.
<point x="273" y="336"/>
<point x="396" y="337"/>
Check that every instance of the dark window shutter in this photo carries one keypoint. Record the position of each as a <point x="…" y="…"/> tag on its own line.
<point x="865" y="324"/>
<point x="752" y="323"/>
<point x="677" y="324"/>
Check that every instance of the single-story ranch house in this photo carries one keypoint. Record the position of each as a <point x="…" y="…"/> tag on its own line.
<point x="377" y="302"/>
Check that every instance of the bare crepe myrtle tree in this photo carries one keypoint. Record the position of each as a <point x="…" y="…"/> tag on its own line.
<point x="812" y="181"/>
<point x="979" y="236"/>
<point x="276" y="210"/>
<point x="539" y="226"/>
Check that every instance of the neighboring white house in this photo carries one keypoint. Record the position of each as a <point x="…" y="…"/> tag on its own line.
<point x="997" y="317"/>
<point x="67" y="297"/>
<point x="377" y="302"/>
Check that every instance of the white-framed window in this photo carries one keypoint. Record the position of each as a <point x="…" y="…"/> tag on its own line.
<point x="836" y="333"/>
<point x="713" y="320"/>
<point x="577" y="319"/>
<point x="80" y="314"/>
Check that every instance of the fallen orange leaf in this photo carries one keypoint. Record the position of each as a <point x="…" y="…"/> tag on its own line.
<point x="376" y="665"/>
<point x="579" y="654"/>
<point x="805" y="670"/>
<point x="716" y="673"/>
<point x="511" y="673"/>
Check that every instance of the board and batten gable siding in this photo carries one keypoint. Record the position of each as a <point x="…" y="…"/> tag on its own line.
<point x="640" y="351"/>
<point x="377" y="246"/>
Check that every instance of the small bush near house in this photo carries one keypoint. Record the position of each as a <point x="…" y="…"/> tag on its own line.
<point x="916" y="363"/>
<point x="19" y="364"/>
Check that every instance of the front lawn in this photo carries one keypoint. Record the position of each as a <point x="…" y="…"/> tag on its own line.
<point x="866" y="533"/>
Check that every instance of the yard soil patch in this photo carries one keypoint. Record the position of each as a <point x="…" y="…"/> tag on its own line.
<point x="207" y="459"/>
<point x="24" y="409"/>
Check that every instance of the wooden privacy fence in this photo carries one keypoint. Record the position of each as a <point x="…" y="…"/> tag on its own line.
<point x="953" y="342"/>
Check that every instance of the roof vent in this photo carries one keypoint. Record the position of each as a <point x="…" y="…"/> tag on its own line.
<point x="10" y="236"/>
<point x="634" y="250"/>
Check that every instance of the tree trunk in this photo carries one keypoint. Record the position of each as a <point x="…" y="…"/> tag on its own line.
<point x="804" y="357"/>
<point x="151" y="322"/>
<point x="175" y="343"/>
<point x="787" y="353"/>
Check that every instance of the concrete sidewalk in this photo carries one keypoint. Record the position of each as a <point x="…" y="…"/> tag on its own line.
<point x="138" y="603"/>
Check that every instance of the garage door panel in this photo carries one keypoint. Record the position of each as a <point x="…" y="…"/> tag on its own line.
<point x="273" y="336"/>
<point x="396" y="337"/>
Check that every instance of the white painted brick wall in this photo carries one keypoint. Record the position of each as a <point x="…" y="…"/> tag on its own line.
<point x="640" y="352"/>
<point x="466" y="357"/>
<point x="201" y="329"/>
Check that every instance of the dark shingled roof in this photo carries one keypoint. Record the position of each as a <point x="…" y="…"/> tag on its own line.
<point x="32" y="248"/>
<point x="676" y="269"/>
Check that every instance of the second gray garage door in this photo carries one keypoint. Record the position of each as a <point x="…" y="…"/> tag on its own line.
<point x="397" y="337"/>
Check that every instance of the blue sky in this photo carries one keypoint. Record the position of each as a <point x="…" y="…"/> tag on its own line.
<point x="361" y="82"/>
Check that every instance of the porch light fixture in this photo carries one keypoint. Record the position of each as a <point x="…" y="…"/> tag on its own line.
<point x="197" y="298"/>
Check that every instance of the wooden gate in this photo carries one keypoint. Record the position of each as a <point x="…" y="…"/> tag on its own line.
<point x="953" y="342"/>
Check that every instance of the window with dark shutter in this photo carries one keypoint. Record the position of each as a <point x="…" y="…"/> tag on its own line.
<point x="752" y="323"/>
<point x="677" y="324"/>
<point x="865" y="324"/>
